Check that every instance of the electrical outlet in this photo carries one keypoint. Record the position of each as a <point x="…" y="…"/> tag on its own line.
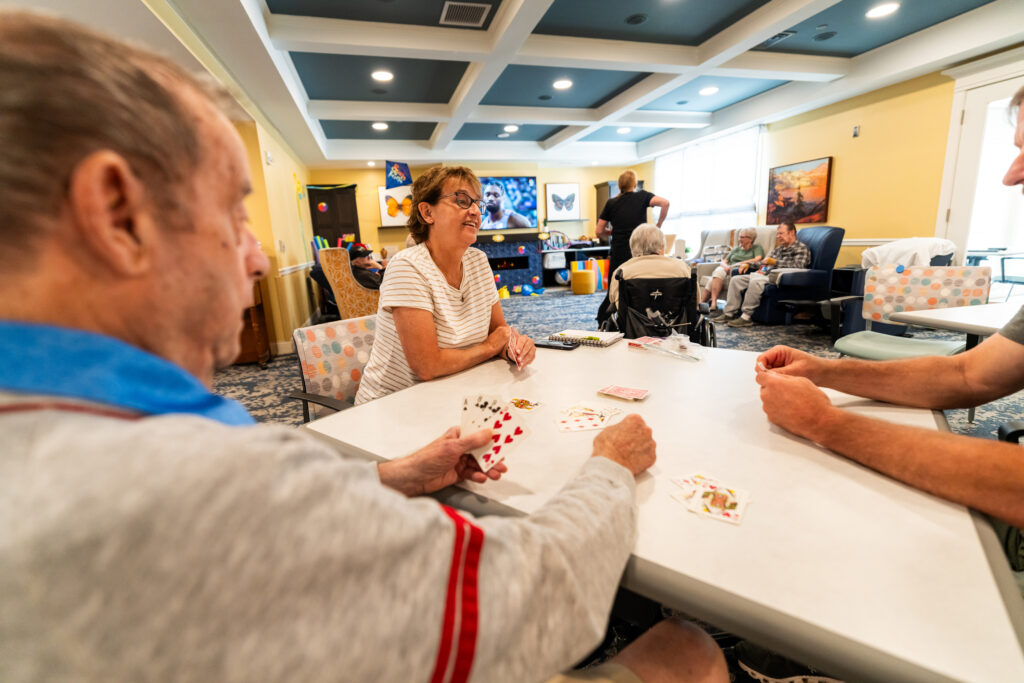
<point x="856" y="131"/>
<point x="280" y="246"/>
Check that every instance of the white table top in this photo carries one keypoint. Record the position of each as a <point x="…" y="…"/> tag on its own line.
<point x="983" y="320"/>
<point x="834" y="564"/>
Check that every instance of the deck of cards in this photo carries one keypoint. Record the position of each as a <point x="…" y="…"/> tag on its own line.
<point x="484" y="411"/>
<point x="581" y="417"/>
<point x="706" y="497"/>
<point x="627" y="393"/>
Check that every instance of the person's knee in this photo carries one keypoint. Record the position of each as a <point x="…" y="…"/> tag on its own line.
<point x="675" y="650"/>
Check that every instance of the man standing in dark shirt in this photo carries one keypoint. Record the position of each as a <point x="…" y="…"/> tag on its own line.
<point x="624" y="212"/>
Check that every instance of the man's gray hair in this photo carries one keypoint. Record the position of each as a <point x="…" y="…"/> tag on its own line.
<point x="646" y="240"/>
<point x="749" y="232"/>
<point x="67" y="92"/>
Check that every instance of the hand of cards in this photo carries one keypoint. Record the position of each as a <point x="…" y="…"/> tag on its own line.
<point x="706" y="497"/>
<point x="483" y="411"/>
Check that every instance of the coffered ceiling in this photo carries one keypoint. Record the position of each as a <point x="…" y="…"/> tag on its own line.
<point x="646" y="75"/>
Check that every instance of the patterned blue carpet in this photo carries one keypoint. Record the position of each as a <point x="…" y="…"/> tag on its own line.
<point x="264" y="391"/>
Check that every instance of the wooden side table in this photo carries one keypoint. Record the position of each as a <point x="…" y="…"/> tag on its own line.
<point x="255" y="339"/>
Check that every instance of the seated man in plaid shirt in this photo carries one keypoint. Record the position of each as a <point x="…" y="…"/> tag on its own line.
<point x="745" y="291"/>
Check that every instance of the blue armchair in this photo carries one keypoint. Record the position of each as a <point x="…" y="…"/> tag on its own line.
<point x="813" y="284"/>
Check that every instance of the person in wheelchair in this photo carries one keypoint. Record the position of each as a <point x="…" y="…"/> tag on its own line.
<point x="647" y="244"/>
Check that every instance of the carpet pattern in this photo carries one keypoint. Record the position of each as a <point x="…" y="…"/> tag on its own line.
<point x="264" y="391"/>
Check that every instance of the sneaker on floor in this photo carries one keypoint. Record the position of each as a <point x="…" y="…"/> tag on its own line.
<point x="768" y="667"/>
<point x="716" y="314"/>
<point x="740" y="322"/>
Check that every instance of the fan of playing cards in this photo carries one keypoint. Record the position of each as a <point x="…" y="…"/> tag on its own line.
<point x="490" y="412"/>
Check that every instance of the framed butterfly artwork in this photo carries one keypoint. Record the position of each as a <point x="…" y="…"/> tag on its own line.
<point x="563" y="201"/>
<point x="395" y="205"/>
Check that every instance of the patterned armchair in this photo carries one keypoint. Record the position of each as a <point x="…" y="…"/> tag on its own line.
<point x="331" y="360"/>
<point x="353" y="299"/>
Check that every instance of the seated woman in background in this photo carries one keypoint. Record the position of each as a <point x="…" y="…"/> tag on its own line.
<point x="647" y="245"/>
<point x="439" y="311"/>
<point x="740" y="258"/>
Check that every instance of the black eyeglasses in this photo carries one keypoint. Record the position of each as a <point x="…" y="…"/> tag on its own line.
<point x="464" y="201"/>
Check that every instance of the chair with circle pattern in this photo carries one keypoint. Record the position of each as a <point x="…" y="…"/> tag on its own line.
<point x="331" y="359"/>
<point x="895" y="288"/>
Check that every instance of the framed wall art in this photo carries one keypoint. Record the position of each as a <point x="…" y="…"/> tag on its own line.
<point x="563" y="201"/>
<point x="798" y="193"/>
<point x="395" y="205"/>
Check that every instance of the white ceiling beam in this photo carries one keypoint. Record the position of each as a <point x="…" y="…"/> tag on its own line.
<point x="419" y="151"/>
<point x="352" y="110"/>
<point x="611" y="55"/>
<point x="998" y="25"/>
<point x="512" y="25"/>
<point x="346" y="37"/>
<point x="783" y="66"/>
<point x="565" y="116"/>
<point x="734" y="40"/>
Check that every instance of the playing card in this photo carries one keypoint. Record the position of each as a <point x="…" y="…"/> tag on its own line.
<point x="691" y="484"/>
<point x="477" y="411"/>
<point x="624" y="392"/>
<point x="509" y="429"/>
<point x="581" y="417"/>
<point x="524" y="404"/>
<point x="725" y="504"/>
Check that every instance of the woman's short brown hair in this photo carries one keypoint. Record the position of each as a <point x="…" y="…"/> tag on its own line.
<point x="627" y="180"/>
<point x="428" y="187"/>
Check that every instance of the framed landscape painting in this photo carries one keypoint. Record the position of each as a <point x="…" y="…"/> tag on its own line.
<point x="798" y="193"/>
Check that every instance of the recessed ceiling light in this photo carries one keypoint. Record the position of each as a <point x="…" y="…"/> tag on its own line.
<point x="562" y="84"/>
<point x="636" y="19"/>
<point x="511" y="128"/>
<point x="380" y="126"/>
<point x="503" y="135"/>
<point x="623" y="130"/>
<point x="382" y="76"/>
<point x="371" y="163"/>
<point x="883" y="10"/>
<point x="593" y="163"/>
<point x="682" y="102"/>
<point x="544" y="97"/>
<point x="710" y="90"/>
<point x="824" y="36"/>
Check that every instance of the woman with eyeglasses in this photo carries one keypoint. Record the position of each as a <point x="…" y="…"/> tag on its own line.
<point x="439" y="311"/>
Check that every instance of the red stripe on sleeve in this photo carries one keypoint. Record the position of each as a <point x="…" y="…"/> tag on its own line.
<point x="448" y="622"/>
<point x="470" y="605"/>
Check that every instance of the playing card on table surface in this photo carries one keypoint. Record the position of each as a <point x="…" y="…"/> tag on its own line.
<point x="624" y="392"/>
<point x="707" y="497"/>
<point x="524" y="404"/>
<point x="580" y="417"/>
<point x="509" y="429"/>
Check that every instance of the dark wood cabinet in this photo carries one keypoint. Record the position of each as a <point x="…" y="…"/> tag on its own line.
<point x="255" y="339"/>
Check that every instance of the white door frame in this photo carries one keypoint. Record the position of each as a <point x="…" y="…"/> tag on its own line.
<point x="1004" y="66"/>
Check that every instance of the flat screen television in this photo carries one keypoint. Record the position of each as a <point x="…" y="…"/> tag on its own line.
<point x="511" y="202"/>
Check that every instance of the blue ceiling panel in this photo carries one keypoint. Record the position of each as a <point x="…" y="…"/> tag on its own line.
<point x="676" y="22"/>
<point x="490" y="131"/>
<point x="347" y="77"/>
<point x="843" y="30"/>
<point x="611" y="134"/>
<point x="415" y="12"/>
<point x="530" y="86"/>
<point x="730" y="91"/>
<point x="362" y="130"/>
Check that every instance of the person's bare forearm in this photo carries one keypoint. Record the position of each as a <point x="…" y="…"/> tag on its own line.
<point x="983" y="474"/>
<point x="449" y="361"/>
<point x="935" y="382"/>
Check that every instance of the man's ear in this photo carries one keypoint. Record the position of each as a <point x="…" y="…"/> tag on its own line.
<point x="108" y="206"/>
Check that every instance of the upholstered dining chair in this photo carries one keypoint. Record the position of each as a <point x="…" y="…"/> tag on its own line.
<point x="353" y="299"/>
<point x="895" y="288"/>
<point x="331" y="361"/>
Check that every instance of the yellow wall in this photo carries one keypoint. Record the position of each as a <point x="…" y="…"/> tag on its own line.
<point x="886" y="182"/>
<point x="280" y="220"/>
<point x="369" y="179"/>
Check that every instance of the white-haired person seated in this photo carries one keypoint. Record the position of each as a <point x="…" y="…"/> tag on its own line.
<point x="647" y="244"/>
<point x="740" y="258"/>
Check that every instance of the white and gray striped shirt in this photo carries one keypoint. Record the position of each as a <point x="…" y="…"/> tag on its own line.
<point x="462" y="316"/>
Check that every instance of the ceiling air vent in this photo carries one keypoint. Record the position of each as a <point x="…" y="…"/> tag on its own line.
<point x="464" y="14"/>
<point x="777" y="38"/>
